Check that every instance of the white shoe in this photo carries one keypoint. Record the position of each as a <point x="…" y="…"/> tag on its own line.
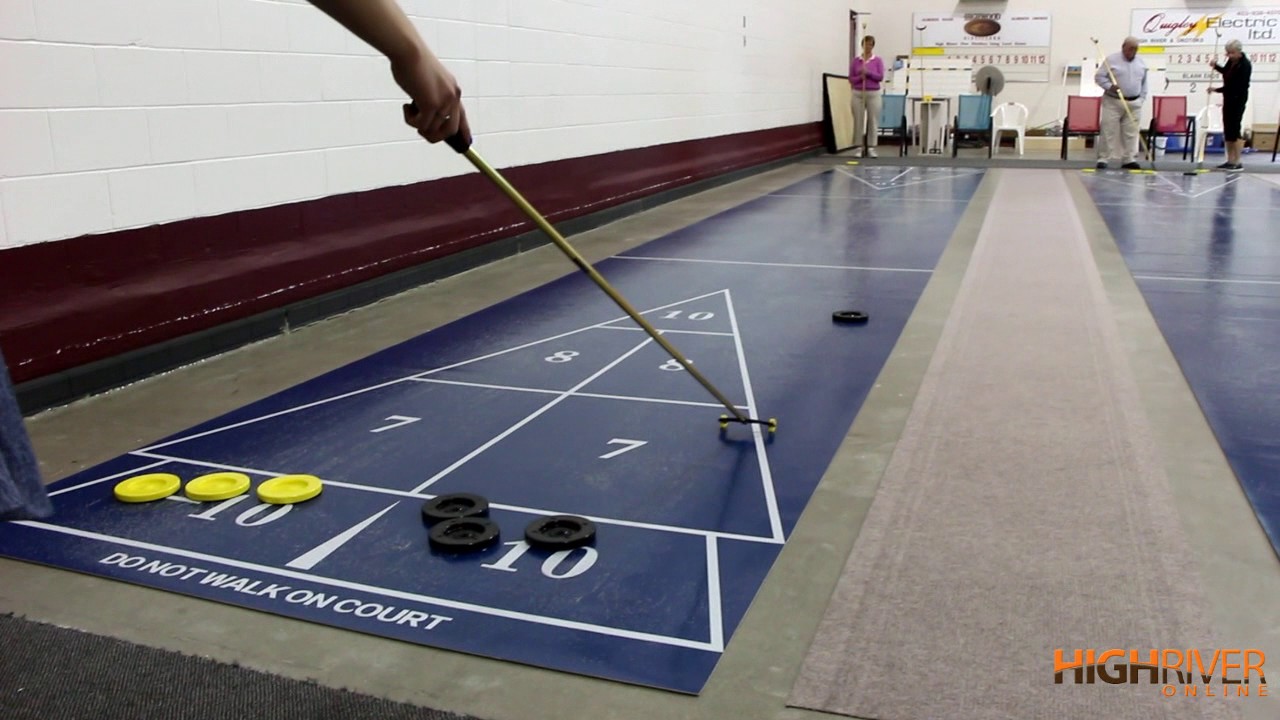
<point x="871" y="153"/>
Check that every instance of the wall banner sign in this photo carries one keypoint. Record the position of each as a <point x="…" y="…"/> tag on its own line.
<point x="1183" y="27"/>
<point x="1188" y="37"/>
<point x="982" y="30"/>
<point x="1016" y="43"/>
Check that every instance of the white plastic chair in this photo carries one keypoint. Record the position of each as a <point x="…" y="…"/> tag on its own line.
<point x="1208" y="122"/>
<point x="1009" y="117"/>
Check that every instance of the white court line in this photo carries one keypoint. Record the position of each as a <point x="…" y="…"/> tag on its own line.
<point x="1180" y="192"/>
<point x="108" y="478"/>
<point x="1273" y="180"/>
<point x="601" y="396"/>
<point x="864" y="182"/>
<point x="383" y="592"/>
<point x="1199" y="208"/>
<point x="762" y="454"/>
<point x="601" y="520"/>
<point x="360" y="391"/>
<point x="950" y="176"/>
<point x="904" y="172"/>
<point x="315" y="555"/>
<point x="716" y="619"/>
<point x="670" y="332"/>
<point x="529" y="418"/>
<point x="1232" y="181"/>
<point x="279" y="413"/>
<point x="1171" y="183"/>
<point x="1125" y="182"/>
<point x="777" y="265"/>
<point x="379" y="386"/>
<point x="1225" y="281"/>
<point x="877" y="200"/>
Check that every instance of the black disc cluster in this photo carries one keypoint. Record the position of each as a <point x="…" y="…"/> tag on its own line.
<point x="460" y="522"/>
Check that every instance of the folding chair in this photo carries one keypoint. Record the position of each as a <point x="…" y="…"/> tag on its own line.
<point x="1169" y="117"/>
<point x="1009" y="117"/>
<point x="1084" y="119"/>
<point x="893" y="119"/>
<point x="973" y="116"/>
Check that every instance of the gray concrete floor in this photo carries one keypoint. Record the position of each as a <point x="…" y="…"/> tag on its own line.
<point x="1241" y="573"/>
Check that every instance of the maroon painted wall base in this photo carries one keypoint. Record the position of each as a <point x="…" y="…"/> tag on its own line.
<point x="68" y="303"/>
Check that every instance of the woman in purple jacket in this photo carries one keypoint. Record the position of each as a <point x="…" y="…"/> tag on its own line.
<point x="865" y="73"/>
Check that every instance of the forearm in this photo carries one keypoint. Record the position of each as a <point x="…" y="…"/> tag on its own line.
<point x="381" y="23"/>
<point x="435" y="108"/>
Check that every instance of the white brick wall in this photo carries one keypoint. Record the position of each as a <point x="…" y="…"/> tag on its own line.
<point x="142" y="196"/>
<point x="97" y="139"/>
<point x="32" y="156"/>
<point x="56" y="205"/>
<point x="123" y="113"/>
<point x="17" y="19"/>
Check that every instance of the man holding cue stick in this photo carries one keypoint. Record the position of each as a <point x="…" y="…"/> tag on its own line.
<point x="1123" y="79"/>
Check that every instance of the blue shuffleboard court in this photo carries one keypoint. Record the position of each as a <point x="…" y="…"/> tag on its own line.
<point x="553" y="402"/>
<point x="1204" y="252"/>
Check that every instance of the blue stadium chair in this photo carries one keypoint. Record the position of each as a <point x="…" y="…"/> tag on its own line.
<point x="893" y="119"/>
<point x="973" y="117"/>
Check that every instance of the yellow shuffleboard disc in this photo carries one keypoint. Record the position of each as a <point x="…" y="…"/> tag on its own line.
<point x="217" y="486"/>
<point x="145" y="488"/>
<point x="289" y="489"/>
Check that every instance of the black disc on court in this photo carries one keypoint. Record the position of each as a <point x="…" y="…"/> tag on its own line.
<point x="464" y="534"/>
<point x="454" y="505"/>
<point x="849" y="316"/>
<point x="560" y="532"/>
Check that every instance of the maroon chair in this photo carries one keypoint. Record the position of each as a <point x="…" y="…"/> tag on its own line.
<point x="1169" y="117"/>
<point x="1084" y="118"/>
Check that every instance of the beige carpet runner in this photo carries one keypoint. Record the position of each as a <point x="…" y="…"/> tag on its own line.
<point x="1024" y="510"/>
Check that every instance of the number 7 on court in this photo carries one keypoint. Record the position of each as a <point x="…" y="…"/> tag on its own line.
<point x="630" y="445"/>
